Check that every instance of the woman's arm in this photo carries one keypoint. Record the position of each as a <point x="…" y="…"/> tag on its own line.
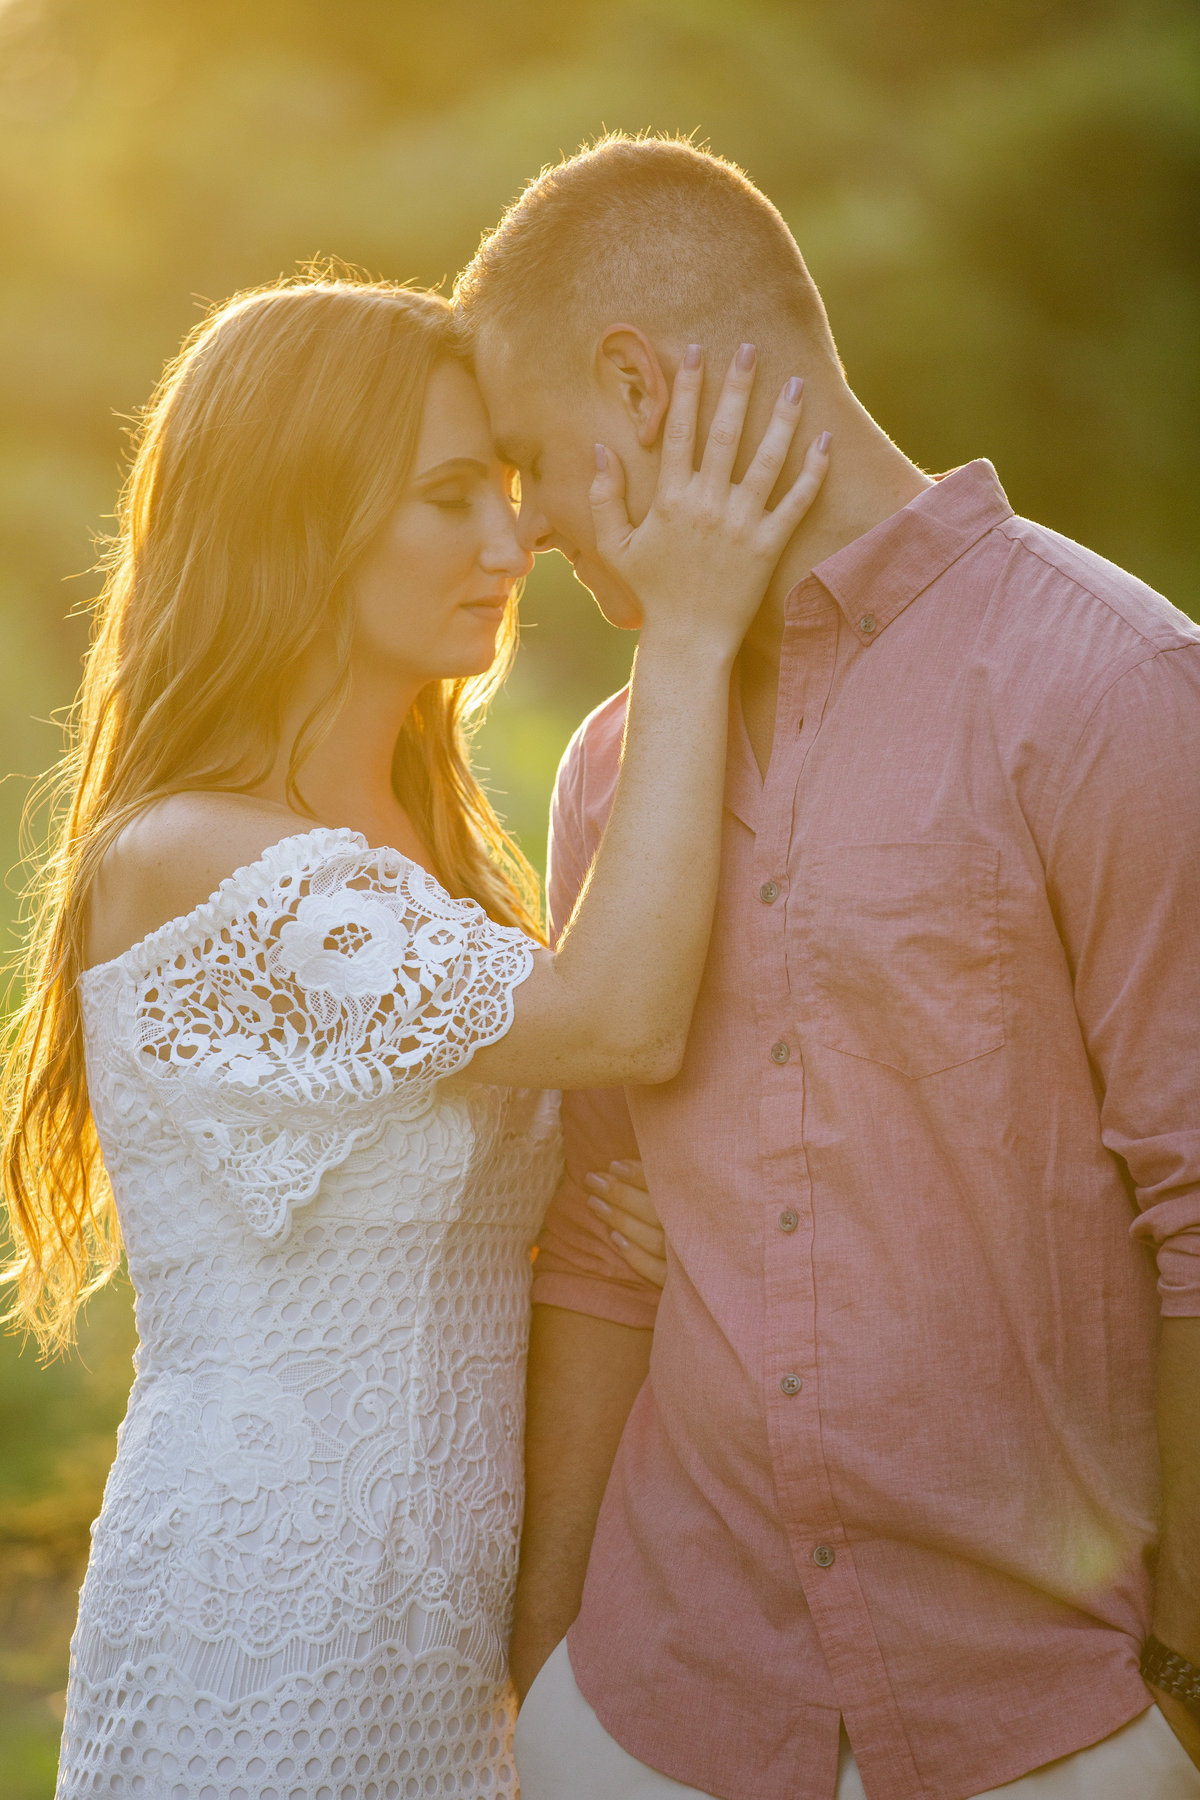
<point x="614" y="1002"/>
<point x="584" y="1376"/>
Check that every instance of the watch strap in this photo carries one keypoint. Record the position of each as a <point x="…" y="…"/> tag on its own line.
<point x="1174" y="1674"/>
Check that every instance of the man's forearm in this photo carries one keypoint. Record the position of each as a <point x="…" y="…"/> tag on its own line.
<point x="584" y="1375"/>
<point x="1177" y="1588"/>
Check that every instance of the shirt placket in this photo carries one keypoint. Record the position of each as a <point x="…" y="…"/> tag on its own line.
<point x="792" y="1372"/>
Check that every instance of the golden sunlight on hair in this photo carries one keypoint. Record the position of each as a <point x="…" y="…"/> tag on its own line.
<point x="649" y="229"/>
<point x="267" y="461"/>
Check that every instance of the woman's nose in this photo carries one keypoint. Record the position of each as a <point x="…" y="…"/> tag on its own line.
<point x="505" y="552"/>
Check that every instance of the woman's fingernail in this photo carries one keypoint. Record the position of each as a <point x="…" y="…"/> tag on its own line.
<point x="601" y="457"/>
<point x="745" y="357"/>
<point x="795" y="388"/>
<point x="598" y="1206"/>
<point x="691" y="357"/>
<point x="824" y="441"/>
<point x="622" y="1243"/>
<point x="596" y="1181"/>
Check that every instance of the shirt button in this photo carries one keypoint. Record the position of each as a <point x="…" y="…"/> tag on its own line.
<point x="768" y="891"/>
<point x="788" y="1220"/>
<point x="823" y="1556"/>
<point x="779" y="1052"/>
<point x="867" y="624"/>
<point x="791" y="1384"/>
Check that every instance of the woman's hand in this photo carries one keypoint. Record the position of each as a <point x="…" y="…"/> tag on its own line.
<point x="700" y="561"/>
<point x="621" y="1200"/>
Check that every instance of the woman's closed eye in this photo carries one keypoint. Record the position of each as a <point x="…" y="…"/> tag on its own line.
<point x="453" y="499"/>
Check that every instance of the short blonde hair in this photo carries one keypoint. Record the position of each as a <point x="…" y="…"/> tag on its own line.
<point x="650" y="229"/>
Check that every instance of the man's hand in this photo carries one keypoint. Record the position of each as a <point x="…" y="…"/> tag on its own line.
<point x="1177" y="1585"/>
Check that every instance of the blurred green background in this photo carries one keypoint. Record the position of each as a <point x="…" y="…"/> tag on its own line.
<point x="999" y="199"/>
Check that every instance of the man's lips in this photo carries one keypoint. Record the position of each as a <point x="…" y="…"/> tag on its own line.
<point x="564" y="549"/>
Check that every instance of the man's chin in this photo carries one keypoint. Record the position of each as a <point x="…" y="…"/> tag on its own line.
<point x="617" y="604"/>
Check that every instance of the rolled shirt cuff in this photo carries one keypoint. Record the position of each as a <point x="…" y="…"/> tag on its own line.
<point x="1179" y="1276"/>
<point x="599" y="1298"/>
<point x="1172" y="1230"/>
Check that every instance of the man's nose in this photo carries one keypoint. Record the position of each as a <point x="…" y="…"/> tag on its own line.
<point x="533" y="528"/>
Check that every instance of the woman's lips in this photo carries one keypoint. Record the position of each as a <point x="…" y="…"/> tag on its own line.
<point x="493" y="608"/>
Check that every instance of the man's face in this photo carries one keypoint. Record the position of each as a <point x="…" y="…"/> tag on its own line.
<point x="547" y="430"/>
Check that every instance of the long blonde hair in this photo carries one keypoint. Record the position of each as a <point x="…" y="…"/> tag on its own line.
<point x="271" y="454"/>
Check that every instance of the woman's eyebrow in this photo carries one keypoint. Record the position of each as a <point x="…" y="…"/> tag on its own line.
<point x="454" y="465"/>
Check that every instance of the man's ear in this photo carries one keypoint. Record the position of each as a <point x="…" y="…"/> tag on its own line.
<point x="627" y="366"/>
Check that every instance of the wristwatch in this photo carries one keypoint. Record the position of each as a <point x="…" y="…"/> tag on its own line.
<point x="1173" y="1673"/>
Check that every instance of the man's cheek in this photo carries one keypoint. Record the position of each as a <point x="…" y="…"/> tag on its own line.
<point x="619" y="606"/>
<point x="624" y="613"/>
<point x="582" y="530"/>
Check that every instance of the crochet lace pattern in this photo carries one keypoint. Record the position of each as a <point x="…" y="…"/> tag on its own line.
<point x="300" y="1579"/>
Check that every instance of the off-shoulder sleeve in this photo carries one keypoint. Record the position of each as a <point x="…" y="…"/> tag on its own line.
<point x="318" y="992"/>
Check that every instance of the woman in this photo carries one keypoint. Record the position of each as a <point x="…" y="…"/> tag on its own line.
<point x="288" y="988"/>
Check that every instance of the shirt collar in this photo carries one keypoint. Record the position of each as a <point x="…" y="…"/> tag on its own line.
<point x="877" y="575"/>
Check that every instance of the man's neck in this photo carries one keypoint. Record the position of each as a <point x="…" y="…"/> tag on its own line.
<point x="869" y="479"/>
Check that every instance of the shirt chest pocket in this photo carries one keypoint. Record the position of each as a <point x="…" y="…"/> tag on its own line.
<point x="900" y="952"/>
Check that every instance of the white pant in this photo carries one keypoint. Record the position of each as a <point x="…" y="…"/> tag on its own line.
<point x="564" y="1753"/>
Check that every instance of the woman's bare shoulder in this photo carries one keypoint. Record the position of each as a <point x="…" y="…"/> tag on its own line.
<point x="175" y="855"/>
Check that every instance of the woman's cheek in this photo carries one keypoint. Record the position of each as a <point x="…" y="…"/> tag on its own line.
<point x="446" y="550"/>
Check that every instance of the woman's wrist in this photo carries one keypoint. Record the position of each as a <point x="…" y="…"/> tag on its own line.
<point x="684" y="648"/>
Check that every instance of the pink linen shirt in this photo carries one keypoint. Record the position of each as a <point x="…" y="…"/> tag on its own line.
<point x="895" y="1458"/>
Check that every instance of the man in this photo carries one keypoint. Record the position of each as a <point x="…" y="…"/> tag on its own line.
<point x="891" y="1464"/>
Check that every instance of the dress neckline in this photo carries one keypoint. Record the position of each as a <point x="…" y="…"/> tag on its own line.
<point x="175" y="933"/>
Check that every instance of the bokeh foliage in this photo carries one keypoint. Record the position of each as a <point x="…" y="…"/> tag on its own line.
<point x="999" y="201"/>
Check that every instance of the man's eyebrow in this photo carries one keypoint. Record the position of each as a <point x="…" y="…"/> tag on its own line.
<point x="453" y="465"/>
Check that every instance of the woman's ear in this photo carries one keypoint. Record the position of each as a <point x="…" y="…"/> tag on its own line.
<point x="627" y="366"/>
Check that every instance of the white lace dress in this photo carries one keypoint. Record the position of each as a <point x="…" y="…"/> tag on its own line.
<point x="300" y="1580"/>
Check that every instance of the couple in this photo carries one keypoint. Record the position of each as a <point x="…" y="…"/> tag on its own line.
<point x="874" y="905"/>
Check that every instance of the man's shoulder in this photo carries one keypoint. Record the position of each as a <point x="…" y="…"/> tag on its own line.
<point x="593" y="756"/>
<point x="583" y="797"/>
<point x="1070" y="585"/>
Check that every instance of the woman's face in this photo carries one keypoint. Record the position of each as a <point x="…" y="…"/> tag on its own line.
<point x="431" y="592"/>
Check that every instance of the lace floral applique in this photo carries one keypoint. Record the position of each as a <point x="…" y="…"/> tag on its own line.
<point x="286" y="1010"/>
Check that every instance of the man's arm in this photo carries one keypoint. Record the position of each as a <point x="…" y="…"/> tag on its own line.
<point x="584" y="1375"/>
<point x="585" y="1366"/>
<point x="1177" y="1592"/>
<point x="1124" y="875"/>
